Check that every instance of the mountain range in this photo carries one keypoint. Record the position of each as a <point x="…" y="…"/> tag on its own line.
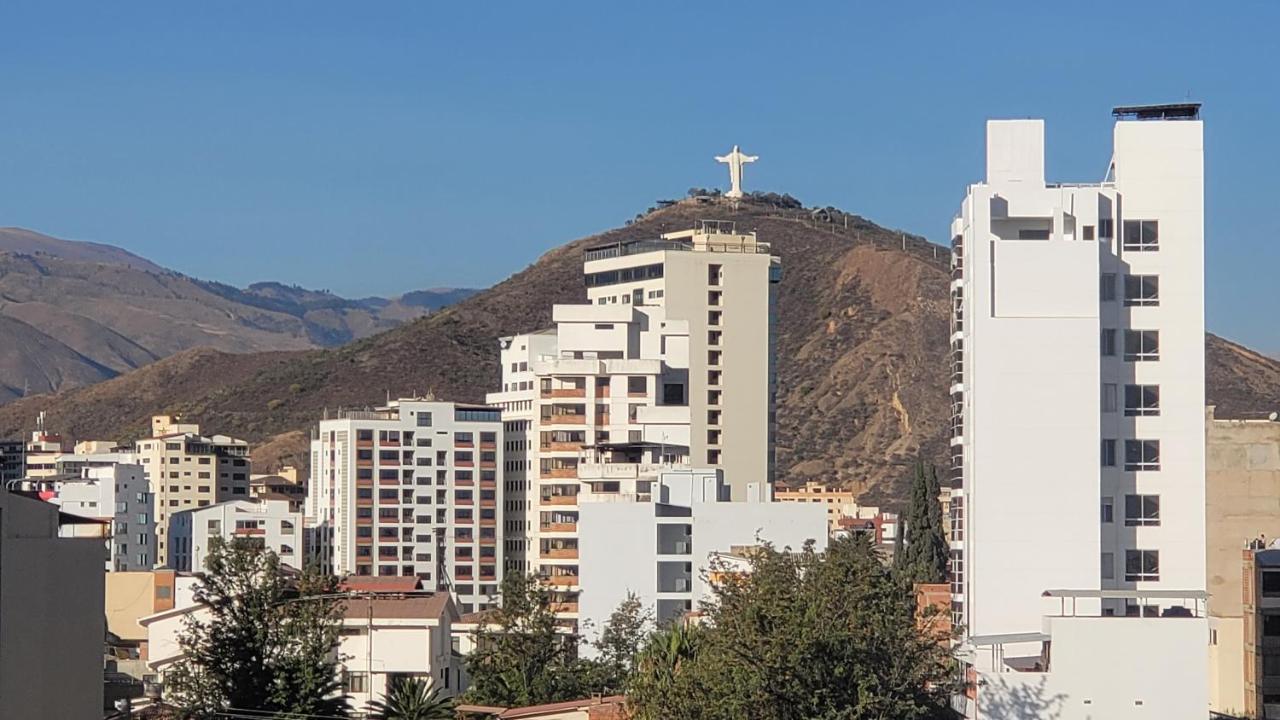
<point x="77" y="313"/>
<point x="862" y="354"/>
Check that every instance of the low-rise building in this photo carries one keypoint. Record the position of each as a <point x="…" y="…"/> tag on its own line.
<point x="272" y="523"/>
<point x="659" y="546"/>
<point x="131" y="596"/>
<point x="51" y="600"/>
<point x="386" y="636"/>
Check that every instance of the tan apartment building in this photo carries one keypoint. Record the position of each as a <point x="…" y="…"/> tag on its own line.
<point x="670" y="364"/>
<point x="835" y="500"/>
<point x="186" y="470"/>
<point x="1242" y="509"/>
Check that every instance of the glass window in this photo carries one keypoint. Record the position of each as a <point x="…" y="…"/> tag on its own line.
<point x="1108" y="566"/>
<point x="1106" y="286"/>
<point x="1141" y="235"/>
<point x="1141" y="510"/>
<point x="1141" y="290"/>
<point x="1141" y="565"/>
<point x="1141" y="345"/>
<point x="1141" y="400"/>
<point x="1108" y="397"/>
<point x="1108" y="509"/>
<point x="1108" y="342"/>
<point x="1108" y="453"/>
<point x="1141" y="455"/>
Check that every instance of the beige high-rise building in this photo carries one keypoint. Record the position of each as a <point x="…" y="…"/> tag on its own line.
<point x="188" y="470"/>
<point x="669" y="365"/>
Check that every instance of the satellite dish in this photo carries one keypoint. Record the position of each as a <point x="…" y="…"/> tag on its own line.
<point x="1272" y="417"/>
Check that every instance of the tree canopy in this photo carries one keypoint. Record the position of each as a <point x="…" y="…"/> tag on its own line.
<point x="262" y="642"/>
<point x="924" y="556"/>
<point x="800" y="636"/>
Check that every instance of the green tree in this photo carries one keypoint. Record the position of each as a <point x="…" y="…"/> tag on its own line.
<point x="619" y="641"/>
<point x="924" y="557"/>
<point x="262" y="643"/>
<point x="800" y="636"/>
<point x="521" y="657"/>
<point x="412" y="699"/>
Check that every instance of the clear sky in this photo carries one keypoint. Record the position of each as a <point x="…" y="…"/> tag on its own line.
<point x="379" y="147"/>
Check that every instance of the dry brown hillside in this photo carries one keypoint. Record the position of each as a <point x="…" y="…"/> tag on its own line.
<point x="861" y="355"/>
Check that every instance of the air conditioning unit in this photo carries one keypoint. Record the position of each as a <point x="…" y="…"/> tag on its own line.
<point x="682" y="585"/>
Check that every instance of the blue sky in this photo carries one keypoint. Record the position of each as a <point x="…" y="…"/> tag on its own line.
<point x="375" y="148"/>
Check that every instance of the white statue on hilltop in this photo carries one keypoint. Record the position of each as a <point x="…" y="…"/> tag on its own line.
<point x="735" y="160"/>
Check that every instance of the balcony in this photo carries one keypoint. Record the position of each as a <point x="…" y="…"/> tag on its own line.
<point x="249" y="532"/>
<point x="562" y="580"/>
<point x="364" y="502"/>
<point x="559" y="499"/>
<point x="565" y="393"/>
<point x="560" y="554"/>
<point x="565" y="420"/>
<point x="562" y="527"/>
<point x="564" y="607"/>
<point x="560" y="473"/>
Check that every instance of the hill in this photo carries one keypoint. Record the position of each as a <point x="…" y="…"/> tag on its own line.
<point x="78" y="313"/>
<point x="861" y="372"/>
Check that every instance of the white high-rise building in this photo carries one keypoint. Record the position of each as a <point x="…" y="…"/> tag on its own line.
<point x="109" y="488"/>
<point x="669" y="365"/>
<point x="1078" y="427"/>
<point x="410" y="489"/>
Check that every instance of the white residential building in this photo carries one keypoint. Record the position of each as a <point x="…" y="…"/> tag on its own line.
<point x="658" y="545"/>
<point x="411" y="489"/>
<point x="1078" y="325"/>
<point x="270" y="522"/>
<point x="670" y="364"/>
<point x="385" y="636"/>
<point x="116" y="493"/>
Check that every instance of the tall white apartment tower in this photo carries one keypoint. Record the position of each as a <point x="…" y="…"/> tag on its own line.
<point x="1078" y="422"/>
<point x="410" y="489"/>
<point x="668" y="365"/>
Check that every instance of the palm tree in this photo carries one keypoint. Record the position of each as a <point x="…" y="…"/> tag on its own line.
<point x="412" y="699"/>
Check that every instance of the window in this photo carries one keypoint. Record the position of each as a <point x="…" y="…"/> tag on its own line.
<point x="637" y="385"/>
<point x="1271" y="583"/>
<point x="1141" y="565"/>
<point x="1108" y="453"/>
<point x="1106" y="228"/>
<point x="355" y="682"/>
<point x="1088" y="232"/>
<point x="1108" y="566"/>
<point x="1107" y="287"/>
<point x="424" y="419"/>
<point x="1108" y="342"/>
<point x="713" y="298"/>
<point x="1033" y="234"/>
<point x="1141" y="290"/>
<point x="1141" y="400"/>
<point x="713" y="457"/>
<point x="1270" y="664"/>
<point x="1108" y="397"/>
<point x="672" y="394"/>
<point x="713" y="274"/>
<point x="1141" y="454"/>
<point x="1108" y="509"/>
<point x="1142" y="235"/>
<point x="1141" y="345"/>
<point x="1141" y="510"/>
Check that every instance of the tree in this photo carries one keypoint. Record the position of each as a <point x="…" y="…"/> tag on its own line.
<point x="260" y="643"/>
<point x="619" y="641"/>
<point x="521" y="657"/>
<point x="799" y="636"/>
<point x="412" y="699"/>
<point x="924" y="557"/>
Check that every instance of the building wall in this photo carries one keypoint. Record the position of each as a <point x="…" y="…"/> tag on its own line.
<point x="119" y="494"/>
<point x="271" y="522"/>
<point x="415" y="506"/>
<point x="1033" y="380"/>
<point x="51" y="615"/>
<point x="1156" y="668"/>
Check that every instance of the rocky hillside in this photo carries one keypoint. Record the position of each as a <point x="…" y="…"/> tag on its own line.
<point x="862" y="355"/>
<point x="76" y="313"/>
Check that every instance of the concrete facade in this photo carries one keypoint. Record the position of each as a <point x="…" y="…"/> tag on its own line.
<point x="188" y="470"/>
<point x="660" y="548"/>
<point x="273" y="523"/>
<point x="1242" y="506"/>
<point x="51" y="626"/>
<point x="1078" y="393"/>
<point x="411" y="489"/>
<point x="669" y="365"/>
